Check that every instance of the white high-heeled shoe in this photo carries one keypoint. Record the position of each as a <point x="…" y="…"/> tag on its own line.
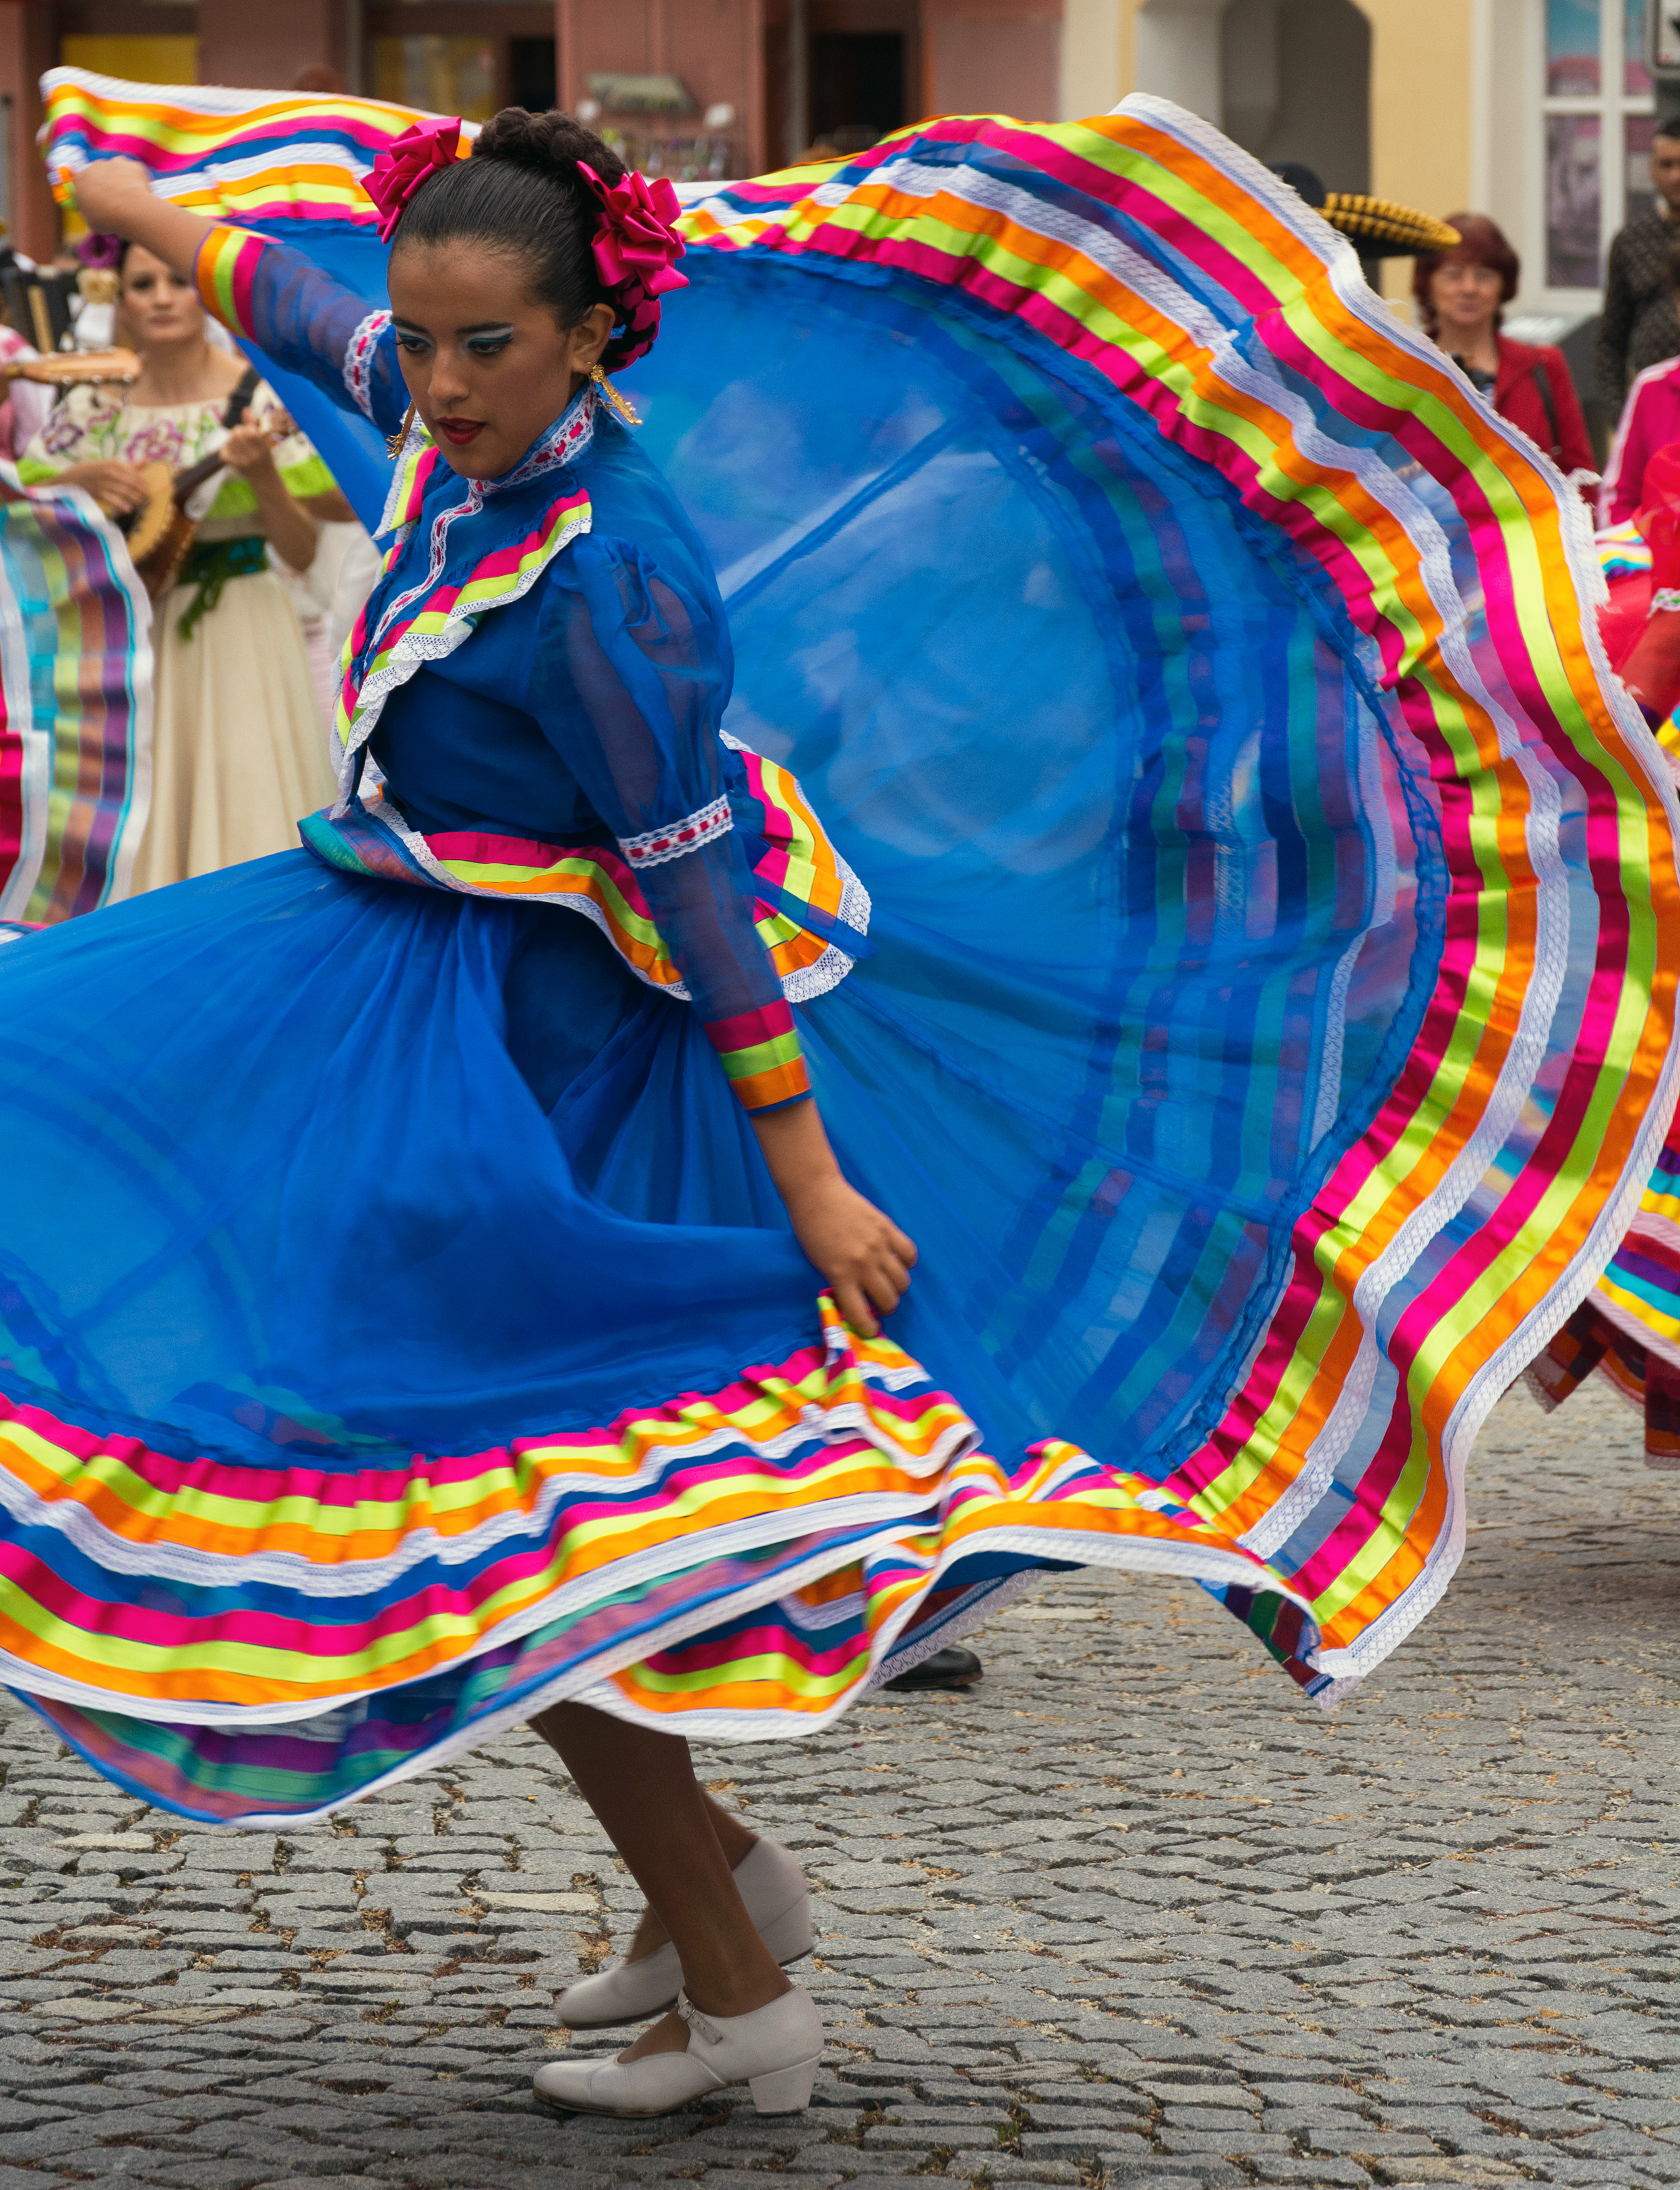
<point x="774" y="2050"/>
<point x="773" y="1888"/>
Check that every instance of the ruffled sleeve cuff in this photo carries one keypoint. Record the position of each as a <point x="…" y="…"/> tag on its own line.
<point x="760" y="1052"/>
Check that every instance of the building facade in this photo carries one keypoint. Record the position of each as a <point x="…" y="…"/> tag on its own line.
<point x="686" y="87"/>
<point x="1537" y="111"/>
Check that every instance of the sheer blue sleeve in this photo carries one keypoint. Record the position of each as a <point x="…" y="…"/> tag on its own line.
<point x="305" y="320"/>
<point x="628" y="680"/>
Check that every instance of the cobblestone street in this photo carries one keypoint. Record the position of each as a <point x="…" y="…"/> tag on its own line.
<point x="1132" y="1912"/>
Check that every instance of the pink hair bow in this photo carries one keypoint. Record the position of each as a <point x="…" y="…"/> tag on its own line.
<point x="636" y="240"/>
<point x="406" y="162"/>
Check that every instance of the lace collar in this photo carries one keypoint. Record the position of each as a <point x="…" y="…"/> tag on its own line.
<point x="554" y="448"/>
<point x="562" y="443"/>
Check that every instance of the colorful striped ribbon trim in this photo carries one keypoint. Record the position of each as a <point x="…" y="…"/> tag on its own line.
<point x="840" y="1435"/>
<point x="224" y="270"/>
<point x="761" y="1054"/>
<point x="284" y="157"/>
<point x="809" y="950"/>
<point x="75" y="703"/>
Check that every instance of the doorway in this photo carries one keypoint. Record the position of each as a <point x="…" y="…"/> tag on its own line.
<point x="857" y="86"/>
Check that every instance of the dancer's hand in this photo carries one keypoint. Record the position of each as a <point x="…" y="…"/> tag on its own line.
<point x="108" y="191"/>
<point x="861" y="1253"/>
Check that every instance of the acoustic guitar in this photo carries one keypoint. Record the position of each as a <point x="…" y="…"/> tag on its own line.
<point x="160" y="532"/>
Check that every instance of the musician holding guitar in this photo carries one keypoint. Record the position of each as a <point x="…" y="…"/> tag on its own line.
<point x="238" y="749"/>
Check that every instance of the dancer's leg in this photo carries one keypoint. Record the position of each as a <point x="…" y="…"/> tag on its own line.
<point x="733" y="1838"/>
<point x="642" y="1788"/>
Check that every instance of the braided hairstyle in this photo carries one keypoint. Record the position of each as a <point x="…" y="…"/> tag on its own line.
<point x="521" y="193"/>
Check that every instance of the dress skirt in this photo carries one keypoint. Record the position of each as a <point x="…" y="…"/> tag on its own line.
<point x="238" y="749"/>
<point x="1268" y="1034"/>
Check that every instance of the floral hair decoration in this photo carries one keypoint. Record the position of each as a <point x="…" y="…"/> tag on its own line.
<point x="407" y="161"/>
<point x="100" y="254"/>
<point x="636" y="246"/>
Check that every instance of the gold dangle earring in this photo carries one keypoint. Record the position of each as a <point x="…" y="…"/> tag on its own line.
<point x="631" y="417"/>
<point x="394" y="447"/>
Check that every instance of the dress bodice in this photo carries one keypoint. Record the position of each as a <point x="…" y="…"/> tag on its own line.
<point x="545" y="659"/>
<point x="481" y="738"/>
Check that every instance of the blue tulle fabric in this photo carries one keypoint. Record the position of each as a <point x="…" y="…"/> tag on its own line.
<point x="1156" y="898"/>
<point x="295" y="1149"/>
<point x="1149" y="943"/>
<point x="309" y="1167"/>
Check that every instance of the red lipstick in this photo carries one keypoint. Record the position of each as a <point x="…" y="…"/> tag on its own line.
<point x="460" y="431"/>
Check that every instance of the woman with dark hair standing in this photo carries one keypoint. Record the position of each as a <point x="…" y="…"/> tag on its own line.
<point x="1462" y="295"/>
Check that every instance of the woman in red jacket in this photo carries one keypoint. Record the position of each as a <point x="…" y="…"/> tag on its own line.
<point x="1462" y="295"/>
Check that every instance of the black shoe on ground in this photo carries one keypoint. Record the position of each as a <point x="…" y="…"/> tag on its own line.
<point x="946" y="1669"/>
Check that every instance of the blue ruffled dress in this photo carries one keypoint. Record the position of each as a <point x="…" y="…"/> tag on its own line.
<point x="399" y="1330"/>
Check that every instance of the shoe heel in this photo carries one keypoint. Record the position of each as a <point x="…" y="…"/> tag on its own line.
<point x="783" y="2091"/>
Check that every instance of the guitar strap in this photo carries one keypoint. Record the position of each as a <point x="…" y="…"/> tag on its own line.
<point x="240" y="401"/>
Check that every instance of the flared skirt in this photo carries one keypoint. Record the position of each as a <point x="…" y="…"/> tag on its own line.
<point x="1268" y="1035"/>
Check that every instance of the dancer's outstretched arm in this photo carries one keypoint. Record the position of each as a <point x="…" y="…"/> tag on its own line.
<point x="261" y="290"/>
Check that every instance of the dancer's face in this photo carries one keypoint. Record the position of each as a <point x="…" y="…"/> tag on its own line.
<point x="487" y="365"/>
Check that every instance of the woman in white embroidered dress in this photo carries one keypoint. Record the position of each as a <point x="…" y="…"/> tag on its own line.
<point x="239" y="752"/>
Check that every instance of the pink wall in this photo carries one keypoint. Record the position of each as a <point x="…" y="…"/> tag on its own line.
<point x="716" y="46"/>
<point x="27" y="49"/>
<point x="992" y="57"/>
<point x="262" y="46"/>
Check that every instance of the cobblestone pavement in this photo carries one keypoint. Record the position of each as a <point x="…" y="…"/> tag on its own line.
<point x="1132" y="1914"/>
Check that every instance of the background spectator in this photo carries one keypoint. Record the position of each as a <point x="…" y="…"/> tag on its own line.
<point x="1639" y="328"/>
<point x="27" y="405"/>
<point x="238" y="752"/>
<point x="1461" y="294"/>
<point x="1650" y="419"/>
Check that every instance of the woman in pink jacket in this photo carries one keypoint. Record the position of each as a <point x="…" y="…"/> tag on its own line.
<point x="1462" y="295"/>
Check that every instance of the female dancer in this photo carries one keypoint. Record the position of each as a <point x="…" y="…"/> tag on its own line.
<point x="409" y="1312"/>
<point x="500" y="327"/>
<point x="237" y="749"/>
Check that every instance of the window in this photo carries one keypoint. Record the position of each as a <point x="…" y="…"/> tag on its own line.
<point x="439" y="75"/>
<point x="1598" y="120"/>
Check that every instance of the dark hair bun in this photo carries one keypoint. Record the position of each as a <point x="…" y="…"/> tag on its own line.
<point x="550" y="144"/>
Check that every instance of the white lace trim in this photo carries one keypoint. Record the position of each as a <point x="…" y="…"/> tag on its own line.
<point x="570" y="434"/>
<point x="564" y="442"/>
<point x="654" y="846"/>
<point x="358" y="367"/>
